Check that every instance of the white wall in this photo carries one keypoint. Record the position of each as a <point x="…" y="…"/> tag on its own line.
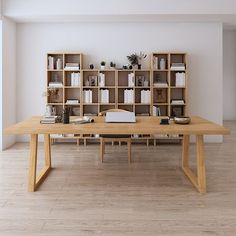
<point x="8" y="80"/>
<point x="113" y="41"/>
<point x="229" y="78"/>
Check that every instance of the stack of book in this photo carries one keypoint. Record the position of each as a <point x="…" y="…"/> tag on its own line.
<point x="75" y="79"/>
<point x="131" y="80"/>
<point x="156" y="111"/>
<point x="55" y="85"/>
<point x="161" y="84"/>
<point x="51" y="63"/>
<point x="72" y="101"/>
<point x="104" y="96"/>
<point x="180" y="79"/>
<point x="48" y="120"/>
<point x="177" y="66"/>
<point x="72" y="66"/>
<point x="101" y="80"/>
<point x="177" y="102"/>
<point x="88" y="96"/>
<point x="145" y="96"/>
<point x="129" y="96"/>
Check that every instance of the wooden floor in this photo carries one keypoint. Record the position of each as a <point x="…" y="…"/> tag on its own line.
<point x="149" y="197"/>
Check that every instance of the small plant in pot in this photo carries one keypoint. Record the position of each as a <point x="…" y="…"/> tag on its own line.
<point x="103" y="63"/>
<point x="112" y="65"/>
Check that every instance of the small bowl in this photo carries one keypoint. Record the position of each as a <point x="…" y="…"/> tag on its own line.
<point x="183" y="120"/>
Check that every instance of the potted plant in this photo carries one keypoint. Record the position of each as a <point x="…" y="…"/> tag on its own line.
<point x="136" y="59"/>
<point x="112" y="65"/>
<point x="133" y="59"/>
<point x="103" y="63"/>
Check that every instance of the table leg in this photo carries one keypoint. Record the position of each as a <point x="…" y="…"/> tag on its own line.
<point x="34" y="180"/>
<point x="199" y="180"/>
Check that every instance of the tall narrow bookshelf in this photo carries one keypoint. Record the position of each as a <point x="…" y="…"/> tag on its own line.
<point x="165" y="88"/>
<point x="159" y="82"/>
<point x="60" y="87"/>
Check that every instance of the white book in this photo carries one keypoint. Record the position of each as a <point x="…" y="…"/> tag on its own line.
<point x="101" y="80"/>
<point x="154" y="111"/>
<point x="125" y="96"/>
<point x="90" y="96"/>
<point x="131" y="80"/>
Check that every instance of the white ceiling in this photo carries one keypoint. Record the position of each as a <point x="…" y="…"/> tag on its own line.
<point x="121" y="11"/>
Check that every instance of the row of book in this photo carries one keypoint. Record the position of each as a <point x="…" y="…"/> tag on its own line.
<point x="75" y="79"/>
<point x="180" y="79"/>
<point x="104" y="95"/>
<point x="88" y="96"/>
<point x="128" y="96"/>
<point x="156" y="111"/>
<point x="160" y="84"/>
<point x="131" y="80"/>
<point x="145" y="96"/>
<point x="101" y="80"/>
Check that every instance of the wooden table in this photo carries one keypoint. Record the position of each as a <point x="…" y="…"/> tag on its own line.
<point x="144" y="125"/>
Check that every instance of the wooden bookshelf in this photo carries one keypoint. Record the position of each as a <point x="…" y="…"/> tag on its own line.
<point x="116" y="81"/>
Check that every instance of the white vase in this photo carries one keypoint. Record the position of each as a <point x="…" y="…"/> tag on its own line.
<point x="162" y="64"/>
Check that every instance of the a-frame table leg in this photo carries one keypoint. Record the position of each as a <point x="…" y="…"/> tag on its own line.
<point x="34" y="180"/>
<point x="199" y="180"/>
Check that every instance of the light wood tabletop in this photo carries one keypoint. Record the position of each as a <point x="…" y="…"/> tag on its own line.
<point x="144" y="125"/>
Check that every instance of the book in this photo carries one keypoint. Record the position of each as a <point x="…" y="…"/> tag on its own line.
<point x="48" y="120"/>
<point x="83" y="120"/>
<point x="131" y="80"/>
<point x="55" y="84"/>
<point x="51" y="63"/>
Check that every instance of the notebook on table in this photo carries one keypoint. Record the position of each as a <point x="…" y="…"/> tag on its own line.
<point x="120" y="117"/>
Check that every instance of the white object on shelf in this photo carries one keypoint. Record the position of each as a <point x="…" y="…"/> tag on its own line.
<point x="88" y="96"/>
<point x="59" y="64"/>
<point x="180" y="79"/>
<point x="128" y="96"/>
<point x="162" y="64"/>
<point x="101" y="80"/>
<point x="51" y="63"/>
<point x="75" y="79"/>
<point x="145" y="96"/>
<point x="104" y="96"/>
<point x="131" y="79"/>
<point x="155" y="63"/>
<point x="55" y="85"/>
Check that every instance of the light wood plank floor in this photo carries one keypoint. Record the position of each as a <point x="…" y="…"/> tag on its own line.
<point x="150" y="197"/>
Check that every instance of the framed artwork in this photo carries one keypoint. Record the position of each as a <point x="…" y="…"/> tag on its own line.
<point x="140" y="80"/>
<point x="93" y="80"/>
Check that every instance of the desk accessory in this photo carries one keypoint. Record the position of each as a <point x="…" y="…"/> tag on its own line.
<point x="66" y="116"/>
<point x="183" y="120"/>
<point x="164" y="121"/>
<point x="84" y="120"/>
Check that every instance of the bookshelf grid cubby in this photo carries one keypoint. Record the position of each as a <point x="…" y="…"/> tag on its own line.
<point x="160" y="83"/>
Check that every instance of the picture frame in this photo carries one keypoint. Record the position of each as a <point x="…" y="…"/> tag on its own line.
<point x="140" y="80"/>
<point x="93" y="80"/>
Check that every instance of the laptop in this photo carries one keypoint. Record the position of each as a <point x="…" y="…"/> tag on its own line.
<point x="120" y="117"/>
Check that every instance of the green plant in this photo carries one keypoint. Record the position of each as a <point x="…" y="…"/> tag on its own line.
<point x="133" y="59"/>
<point x="103" y="63"/>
